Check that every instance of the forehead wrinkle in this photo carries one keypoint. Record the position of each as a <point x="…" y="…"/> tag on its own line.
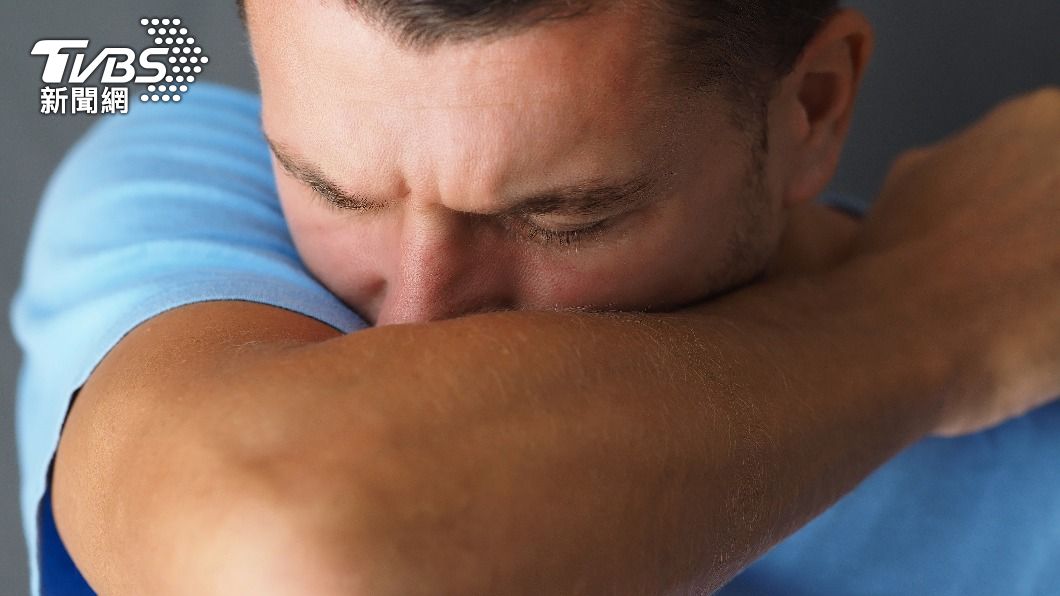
<point x="564" y="101"/>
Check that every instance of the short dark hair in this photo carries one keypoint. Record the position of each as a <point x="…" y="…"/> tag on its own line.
<point x="740" y="47"/>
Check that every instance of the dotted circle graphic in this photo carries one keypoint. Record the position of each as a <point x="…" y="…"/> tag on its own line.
<point x="184" y="57"/>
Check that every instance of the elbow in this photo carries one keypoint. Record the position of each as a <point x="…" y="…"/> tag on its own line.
<point x="291" y="534"/>
<point x="226" y="530"/>
<point x="256" y="548"/>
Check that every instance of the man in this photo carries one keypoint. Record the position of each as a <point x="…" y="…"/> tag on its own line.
<point x="434" y="160"/>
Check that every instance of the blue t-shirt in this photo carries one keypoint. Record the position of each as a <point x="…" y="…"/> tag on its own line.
<point x="175" y="204"/>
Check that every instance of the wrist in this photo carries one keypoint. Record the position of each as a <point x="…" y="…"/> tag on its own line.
<point x="870" y="329"/>
<point x="904" y="329"/>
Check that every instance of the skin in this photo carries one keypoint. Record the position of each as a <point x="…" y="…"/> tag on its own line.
<point x="437" y="151"/>
<point x="681" y="445"/>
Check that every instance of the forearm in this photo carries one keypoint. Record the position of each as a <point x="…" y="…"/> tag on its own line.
<point x="594" y="453"/>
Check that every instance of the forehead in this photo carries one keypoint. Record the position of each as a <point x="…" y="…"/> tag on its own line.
<point x="603" y="52"/>
<point x="588" y="85"/>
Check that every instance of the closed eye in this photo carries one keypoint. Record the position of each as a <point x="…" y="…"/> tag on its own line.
<point x="565" y="235"/>
<point x="340" y="202"/>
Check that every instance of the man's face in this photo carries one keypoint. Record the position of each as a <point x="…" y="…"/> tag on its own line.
<point x="549" y="169"/>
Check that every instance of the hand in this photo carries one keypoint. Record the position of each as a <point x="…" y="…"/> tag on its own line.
<point x="973" y="225"/>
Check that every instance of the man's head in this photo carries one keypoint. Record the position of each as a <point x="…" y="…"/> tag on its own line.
<point x="435" y="158"/>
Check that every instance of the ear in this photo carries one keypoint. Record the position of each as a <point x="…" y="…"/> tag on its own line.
<point x="810" y="115"/>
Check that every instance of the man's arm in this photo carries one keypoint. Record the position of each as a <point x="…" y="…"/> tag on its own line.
<point x="233" y="447"/>
<point x="481" y="455"/>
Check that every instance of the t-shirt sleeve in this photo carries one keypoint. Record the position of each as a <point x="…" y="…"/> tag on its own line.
<point x="169" y="205"/>
<point x="849" y="204"/>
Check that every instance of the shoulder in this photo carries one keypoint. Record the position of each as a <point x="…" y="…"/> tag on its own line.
<point x="171" y="180"/>
<point x="209" y="111"/>
<point x="213" y="137"/>
<point x="170" y="204"/>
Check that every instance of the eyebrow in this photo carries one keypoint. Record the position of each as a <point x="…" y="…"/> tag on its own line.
<point x="315" y="179"/>
<point x="591" y="197"/>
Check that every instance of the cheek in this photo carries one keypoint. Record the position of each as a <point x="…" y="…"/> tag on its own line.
<point x="677" y="252"/>
<point x="659" y="259"/>
<point x="343" y="257"/>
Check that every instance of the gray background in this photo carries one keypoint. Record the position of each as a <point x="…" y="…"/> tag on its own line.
<point x="939" y="64"/>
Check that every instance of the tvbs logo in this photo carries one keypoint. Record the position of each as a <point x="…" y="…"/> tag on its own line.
<point x="167" y="68"/>
<point x="119" y="64"/>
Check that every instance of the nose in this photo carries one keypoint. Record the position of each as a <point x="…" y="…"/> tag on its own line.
<point x="445" y="266"/>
